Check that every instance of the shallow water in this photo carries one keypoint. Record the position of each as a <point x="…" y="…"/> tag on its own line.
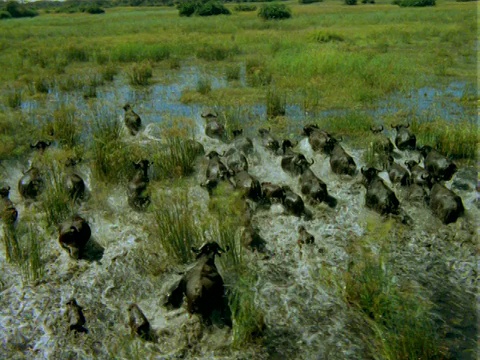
<point x="306" y="317"/>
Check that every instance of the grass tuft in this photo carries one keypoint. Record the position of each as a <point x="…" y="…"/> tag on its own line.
<point x="140" y="74"/>
<point x="204" y="85"/>
<point x="459" y="140"/>
<point x="276" y="103"/>
<point x="175" y="227"/>
<point x="56" y="202"/>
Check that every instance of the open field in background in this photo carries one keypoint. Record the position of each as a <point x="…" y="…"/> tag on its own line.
<point x="327" y="56"/>
<point x="375" y="288"/>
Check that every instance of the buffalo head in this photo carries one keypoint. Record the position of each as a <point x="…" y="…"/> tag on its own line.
<point x="376" y="129"/>
<point x="209" y="248"/>
<point x="308" y="129"/>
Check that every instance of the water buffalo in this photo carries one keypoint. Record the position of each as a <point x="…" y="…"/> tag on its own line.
<point x="404" y="140"/>
<point x="74" y="235"/>
<point x="132" y="120"/>
<point x="315" y="189"/>
<point x="236" y="160"/>
<point x="40" y="145"/>
<point x="73" y="182"/>
<point x="138" y="323"/>
<point x="203" y="286"/>
<point x="268" y="140"/>
<point x="9" y="213"/>
<point x="209" y="114"/>
<point x="381" y="143"/>
<point x="379" y="197"/>
<point x="216" y="169"/>
<point x="215" y="130"/>
<point x="293" y="203"/>
<point x="445" y="204"/>
<point x="248" y="184"/>
<point x="341" y="162"/>
<point x="397" y="173"/>
<point x="304" y="237"/>
<point x="272" y="193"/>
<point x="251" y="239"/>
<point x="418" y="175"/>
<point x="319" y="140"/>
<point x="242" y="143"/>
<point x="137" y="195"/>
<point x="287" y="146"/>
<point x="75" y="317"/>
<point x="437" y="165"/>
<point x="31" y="185"/>
<point x="295" y="164"/>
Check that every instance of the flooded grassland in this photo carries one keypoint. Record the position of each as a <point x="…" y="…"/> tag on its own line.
<point x="370" y="286"/>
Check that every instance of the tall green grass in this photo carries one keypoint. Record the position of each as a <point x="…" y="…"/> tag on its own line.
<point x="55" y="200"/>
<point x="175" y="159"/>
<point x="176" y="227"/>
<point x="459" y="140"/>
<point x="403" y="322"/>
<point x="111" y="157"/>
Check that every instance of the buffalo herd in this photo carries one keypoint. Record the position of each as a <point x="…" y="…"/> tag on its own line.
<point x="202" y="286"/>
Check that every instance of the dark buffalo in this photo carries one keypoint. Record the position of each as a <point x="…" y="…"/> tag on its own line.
<point x="404" y="140"/>
<point x="132" y="120"/>
<point x="9" y="212"/>
<point x="417" y="194"/>
<point x="341" y="162"/>
<point x="215" y="130"/>
<point x="75" y="317"/>
<point x="268" y="140"/>
<point x="248" y="184"/>
<point x="320" y="140"/>
<point x="295" y="164"/>
<point x="304" y="237"/>
<point x="251" y="239"/>
<point x="31" y="185"/>
<point x="138" y="323"/>
<point x="74" y="235"/>
<point x="272" y="193"/>
<point x="203" y="286"/>
<point x="381" y="143"/>
<point x="293" y="203"/>
<point x="216" y="169"/>
<point x="137" y="195"/>
<point x="236" y="160"/>
<point x="397" y="173"/>
<point x="41" y="145"/>
<point x="445" y="204"/>
<point x="242" y="143"/>
<point x="418" y="175"/>
<point x="379" y="197"/>
<point x="315" y="189"/>
<point x="73" y="182"/>
<point x="287" y="146"/>
<point x="437" y="165"/>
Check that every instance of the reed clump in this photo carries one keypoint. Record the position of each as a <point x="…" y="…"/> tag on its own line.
<point x="55" y="200"/>
<point x="140" y="74"/>
<point x="459" y="140"/>
<point x="175" y="226"/>
<point x="402" y="322"/>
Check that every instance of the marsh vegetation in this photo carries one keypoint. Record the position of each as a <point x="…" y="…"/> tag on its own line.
<point x="368" y="287"/>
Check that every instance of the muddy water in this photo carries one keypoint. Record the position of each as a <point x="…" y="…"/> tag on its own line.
<point x="306" y="317"/>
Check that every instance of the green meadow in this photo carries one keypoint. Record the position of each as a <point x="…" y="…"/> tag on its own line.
<point x="327" y="56"/>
